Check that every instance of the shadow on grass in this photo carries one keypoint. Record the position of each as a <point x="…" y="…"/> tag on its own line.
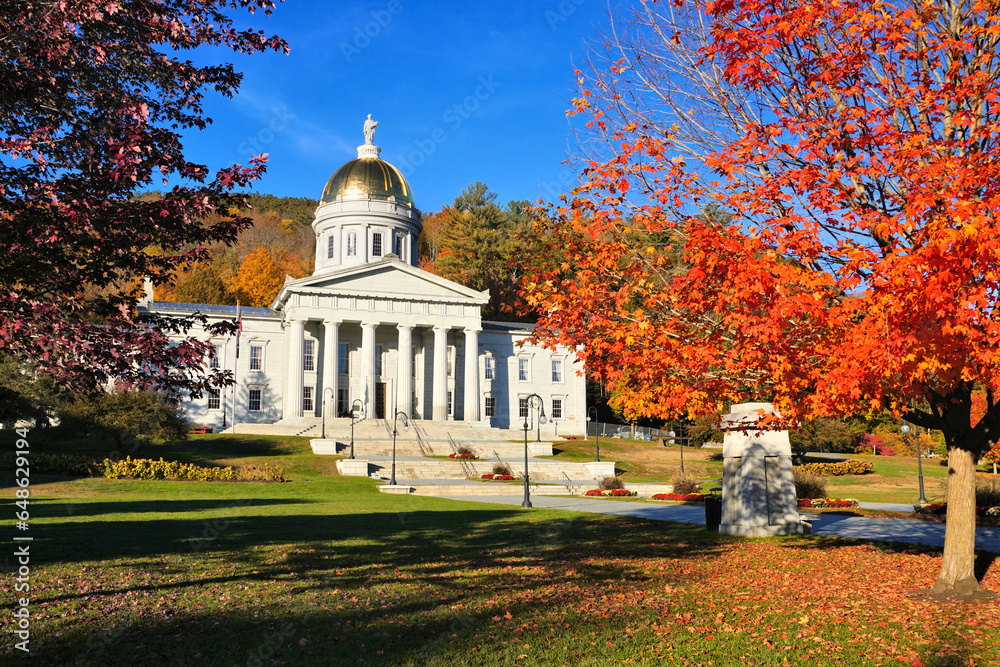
<point x="447" y="556"/>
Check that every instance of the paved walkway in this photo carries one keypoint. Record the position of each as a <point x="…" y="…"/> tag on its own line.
<point x="862" y="528"/>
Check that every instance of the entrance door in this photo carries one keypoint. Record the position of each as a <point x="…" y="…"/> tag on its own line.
<point x="380" y="400"/>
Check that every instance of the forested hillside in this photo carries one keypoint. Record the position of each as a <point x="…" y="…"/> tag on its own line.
<point x="470" y="242"/>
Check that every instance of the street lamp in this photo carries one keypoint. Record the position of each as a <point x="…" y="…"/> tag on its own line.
<point x="322" y="434"/>
<point x="541" y="415"/>
<point x="533" y="398"/>
<point x="356" y="407"/>
<point x="597" y="451"/>
<point x="406" y="427"/>
<point x="672" y="435"/>
<point x="905" y="428"/>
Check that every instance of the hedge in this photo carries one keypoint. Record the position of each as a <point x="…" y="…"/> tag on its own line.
<point x="129" y="468"/>
<point x="848" y="467"/>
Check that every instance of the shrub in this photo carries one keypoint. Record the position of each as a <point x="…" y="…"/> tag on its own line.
<point x="72" y="465"/>
<point x="610" y="483"/>
<point x="129" y="468"/>
<point x="501" y="469"/>
<point x="848" y="467"/>
<point x="490" y="475"/>
<point x="827" y="502"/>
<point x="808" y="485"/>
<point x="987" y="490"/>
<point x="465" y="452"/>
<point x="685" y="484"/>
<point x="128" y="417"/>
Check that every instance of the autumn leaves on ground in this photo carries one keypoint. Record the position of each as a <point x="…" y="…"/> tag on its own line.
<point x="324" y="570"/>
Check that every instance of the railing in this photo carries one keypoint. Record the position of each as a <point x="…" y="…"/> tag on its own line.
<point x="573" y="488"/>
<point x="467" y="467"/>
<point x="425" y="449"/>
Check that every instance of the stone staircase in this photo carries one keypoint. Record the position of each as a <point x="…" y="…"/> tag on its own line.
<point x="413" y="468"/>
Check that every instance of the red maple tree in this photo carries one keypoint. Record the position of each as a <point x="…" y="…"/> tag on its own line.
<point x="96" y="95"/>
<point x="795" y="202"/>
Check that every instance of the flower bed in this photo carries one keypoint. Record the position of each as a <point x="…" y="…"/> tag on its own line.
<point x="940" y="509"/>
<point x="611" y="493"/>
<point x="462" y="456"/>
<point x="490" y="475"/>
<point x="827" y="502"/>
<point x="689" y="497"/>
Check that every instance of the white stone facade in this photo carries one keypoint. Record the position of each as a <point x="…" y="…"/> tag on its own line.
<point x="370" y="326"/>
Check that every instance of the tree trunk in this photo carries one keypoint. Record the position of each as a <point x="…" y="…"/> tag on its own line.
<point x="957" y="574"/>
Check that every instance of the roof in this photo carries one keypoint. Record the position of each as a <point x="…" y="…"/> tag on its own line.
<point x="507" y="327"/>
<point x="212" y="309"/>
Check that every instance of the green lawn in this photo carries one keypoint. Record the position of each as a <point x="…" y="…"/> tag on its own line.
<point x="324" y="570"/>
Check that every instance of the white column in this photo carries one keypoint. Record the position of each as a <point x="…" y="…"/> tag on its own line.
<point x="472" y="375"/>
<point x="330" y="369"/>
<point x="423" y="400"/>
<point x="294" y="336"/>
<point x="404" y="369"/>
<point x="368" y="367"/>
<point x="440" y="379"/>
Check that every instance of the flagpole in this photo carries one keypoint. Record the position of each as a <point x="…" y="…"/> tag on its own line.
<point x="236" y="364"/>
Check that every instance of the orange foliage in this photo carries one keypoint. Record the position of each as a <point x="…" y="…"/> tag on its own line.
<point x="259" y="279"/>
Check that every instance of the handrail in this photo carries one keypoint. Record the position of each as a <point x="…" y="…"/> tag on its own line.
<point x="424" y="449"/>
<point x="467" y="467"/>
<point x="569" y="483"/>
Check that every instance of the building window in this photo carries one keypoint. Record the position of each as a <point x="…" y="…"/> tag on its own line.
<point x="254" y="402"/>
<point x="308" y="354"/>
<point x="213" y="399"/>
<point x="307" y="399"/>
<point x="342" y="366"/>
<point x="557" y="408"/>
<point x="215" y="360"/>
<point x="256" y="357"/>
<point x="557" y="371"/>
<point x="413" y="361"/>
<point x="329" y="246"/>
<point x="397" y="244"/>
<point x="352" y="244"/>
<point x="523" y="370"/>
<point x="451" y="405"/>
<point x="378" y="360"/>
<point x="488" y="372"/>
<point x="377" y="244"/>
<point x="522" y="408"/>
<point x="451" y="361"/>
<point x="342" y="408"/>
<point x="491" y="406"/>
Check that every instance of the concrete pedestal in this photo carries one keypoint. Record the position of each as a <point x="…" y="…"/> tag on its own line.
<point x="353" y="468"/>
<point x="539" y="449"/>
<point x="395" y="488"/>
<point x="599" y="469"/>
<point x="758" y="488"/>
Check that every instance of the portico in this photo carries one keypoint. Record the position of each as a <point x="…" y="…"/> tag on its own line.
<point x="378" y="333"/>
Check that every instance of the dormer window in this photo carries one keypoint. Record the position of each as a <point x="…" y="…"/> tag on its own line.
<point x="377" y="244"/>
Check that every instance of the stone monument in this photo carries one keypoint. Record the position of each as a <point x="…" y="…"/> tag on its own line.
<point x="758" y="488"/>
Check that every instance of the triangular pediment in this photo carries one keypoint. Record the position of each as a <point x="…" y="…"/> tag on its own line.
<point x="389" y="278"/>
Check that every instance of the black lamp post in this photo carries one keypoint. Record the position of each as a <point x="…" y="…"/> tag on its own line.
<point x="527" y="427"/>
<point x="672" y="435"/>
<point x="322" y="434"/>
<point x="905" y="428"/>
<point x="597" y="450"/>
<point x="406" y="427"/>
<point x="356" y="407"/>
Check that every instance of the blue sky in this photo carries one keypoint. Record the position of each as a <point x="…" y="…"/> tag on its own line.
<point x="462" y="92"/>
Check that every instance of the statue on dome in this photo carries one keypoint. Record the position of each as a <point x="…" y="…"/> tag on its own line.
<point x="370" y="126"/>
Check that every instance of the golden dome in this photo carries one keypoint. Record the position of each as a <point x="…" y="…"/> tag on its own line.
<point x="367" y="176"/>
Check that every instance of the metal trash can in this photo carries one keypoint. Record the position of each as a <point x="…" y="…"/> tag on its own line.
<point x="713" y="512"/>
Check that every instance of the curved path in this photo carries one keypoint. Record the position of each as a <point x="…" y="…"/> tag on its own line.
<point x="861" y="528"/>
